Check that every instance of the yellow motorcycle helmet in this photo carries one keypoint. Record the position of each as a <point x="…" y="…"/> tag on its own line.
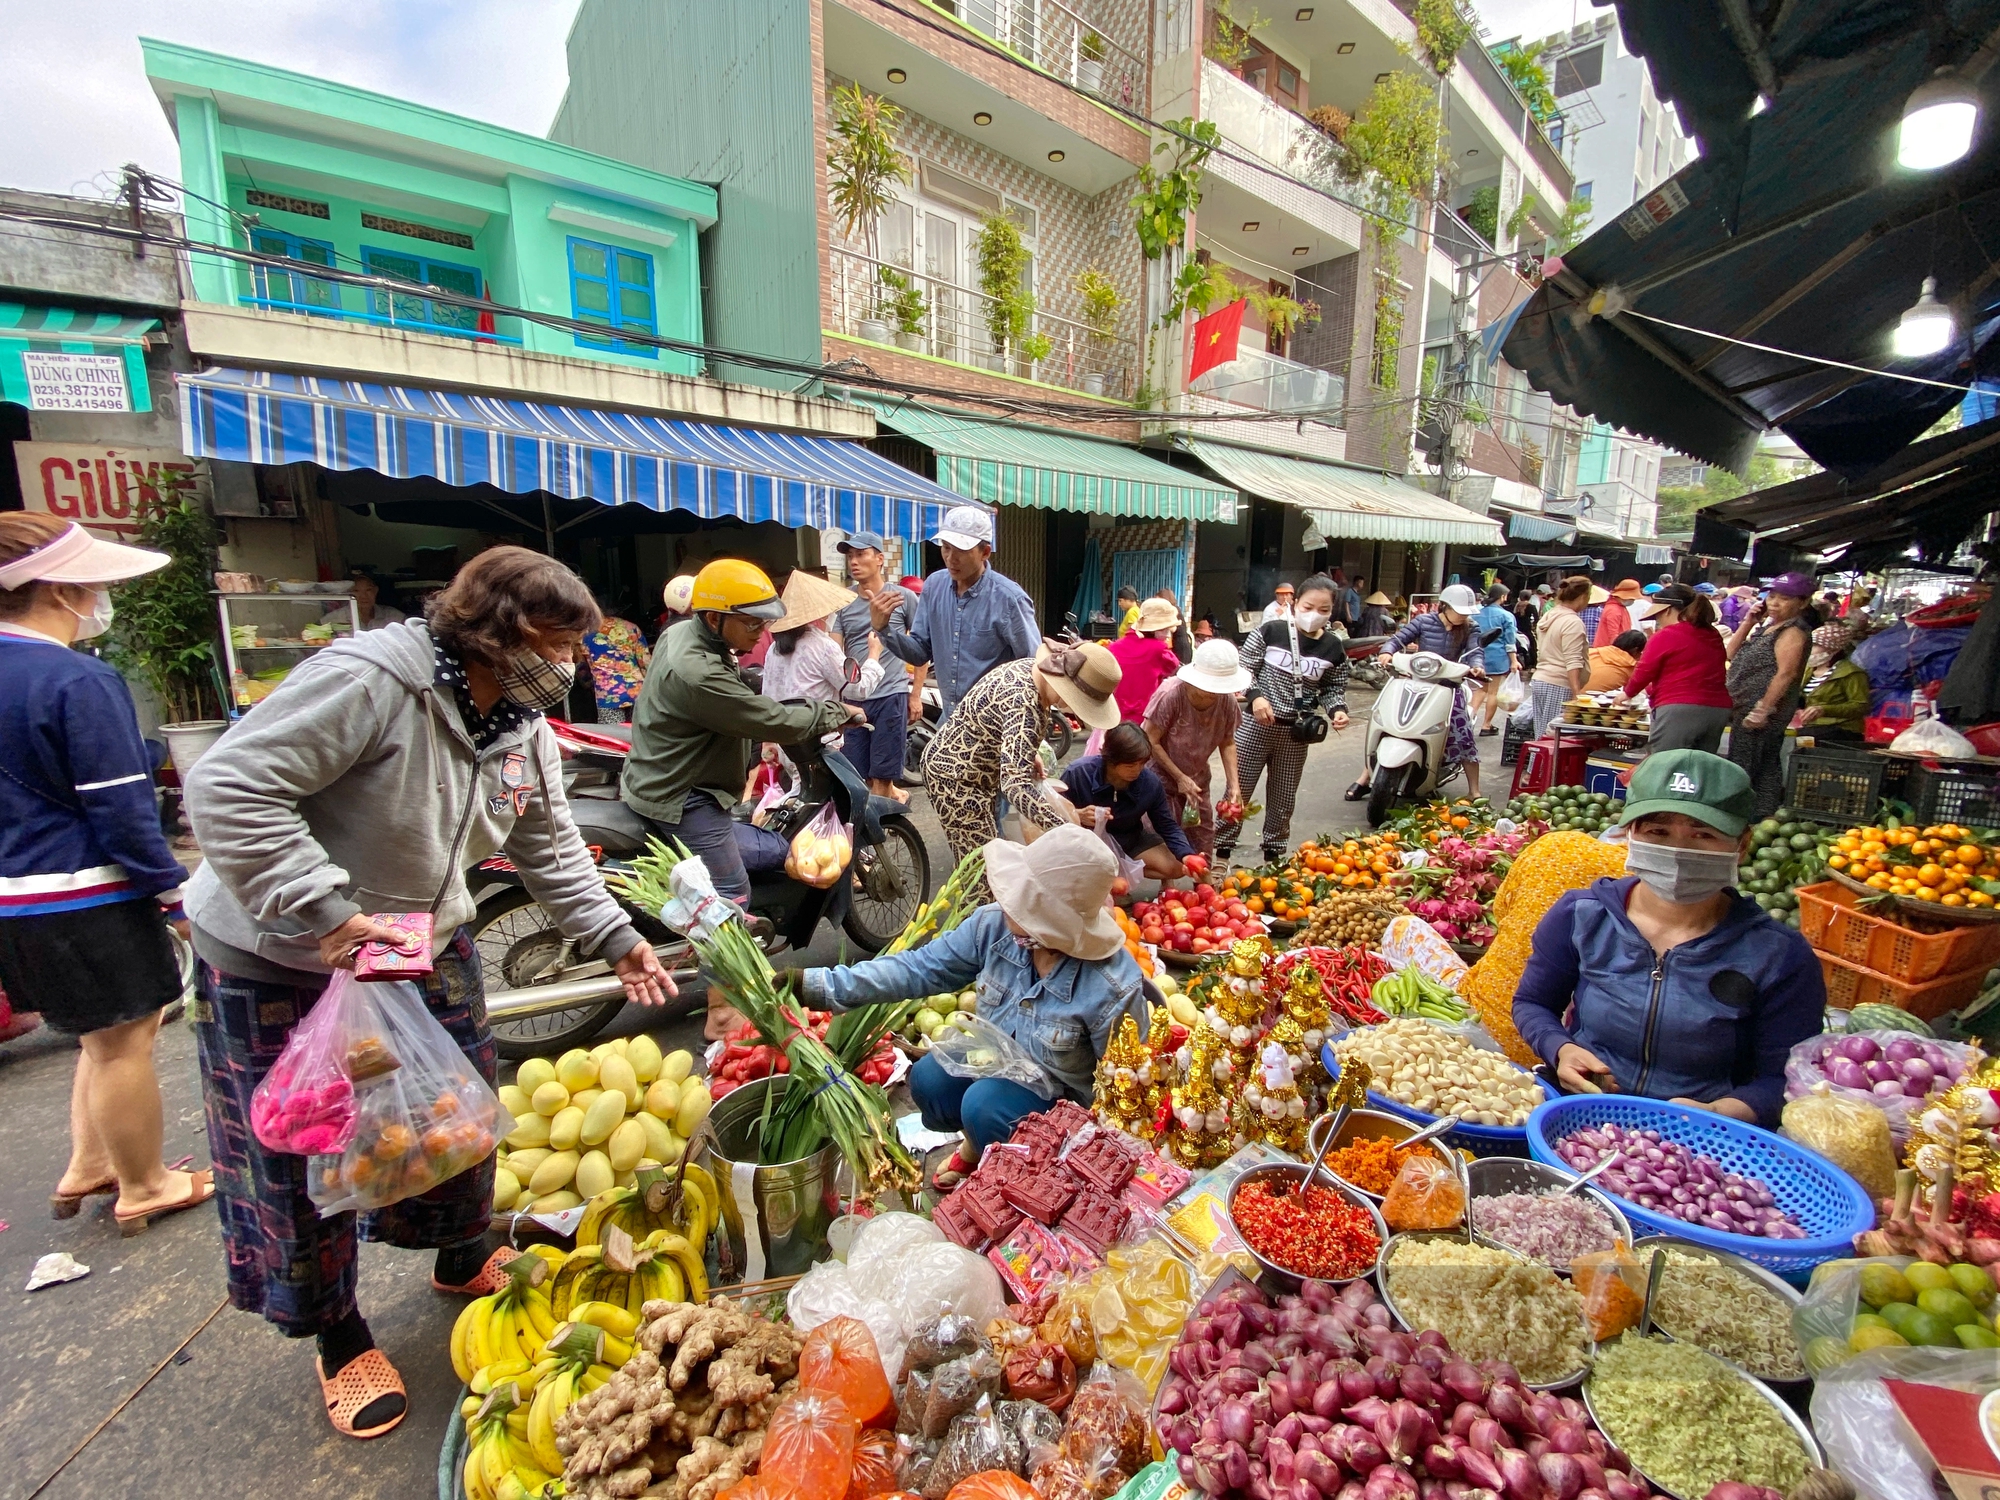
<point x="736" y="587"/>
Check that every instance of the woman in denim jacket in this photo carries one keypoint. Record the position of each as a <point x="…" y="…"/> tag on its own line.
<point x="1051" y="971"/>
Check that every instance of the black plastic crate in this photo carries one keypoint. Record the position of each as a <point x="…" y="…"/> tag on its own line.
<point x="1946" y="793"/>
<point x="1833" y="784"/>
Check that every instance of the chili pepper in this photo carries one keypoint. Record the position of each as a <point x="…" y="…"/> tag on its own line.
<point x="1321" y="1234"/>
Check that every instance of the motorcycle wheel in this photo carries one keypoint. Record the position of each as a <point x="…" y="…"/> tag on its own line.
<point x="895" y="881"/>
<point x="1061" y="736"/>
<point x="516" y="940"/>
<point x="1385" y="790"/>
<point x="916" y="745"/>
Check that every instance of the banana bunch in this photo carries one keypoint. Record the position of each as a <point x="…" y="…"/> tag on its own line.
<point x="665" y="1266"/>
<point x="653" y="1202"/>
<point x="512" y="1422"/>
<point x="511" y="1324"/>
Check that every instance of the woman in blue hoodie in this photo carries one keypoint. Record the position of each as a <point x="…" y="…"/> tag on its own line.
<point x="1667" y="983"/>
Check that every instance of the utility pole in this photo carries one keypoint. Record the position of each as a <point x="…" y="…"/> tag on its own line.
<point x="1452" y="389"/>
<point x="134" y="188"/>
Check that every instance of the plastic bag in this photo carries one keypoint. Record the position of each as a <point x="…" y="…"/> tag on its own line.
<point x="1411" y="940"/>
<point x="942" y="1339"/>
<point x="975" y="1445"/>
<point x="1803" y="1069"/>
<point x="1110" y="1412"/>
<point x="1613" y="1284"/>
<point x="1512" y="693"/>
<point x="878" y="1458"/>
<point x="305" y="1105"/>
<point x="422" y="1113"/>
<point x="970" y="1046"/>
<point x="1068" y="1324"/>
<point x="1133" y="871"/>
<point x="839" y="1358"/>
<point x="1060" y="1477"/>
<point x="1824" y="1318"/>
<point x="1933" y="737"/>
<point x="997" y="1484"/>
<point x="1425" y="1195"/>
<point x="1041" y="1372"/>
<point x="886" y="1250"/>
<point x="821" y="850"/>
<point x="1030" y="1424"/>
<point x="1852" y="1135"/>
<point x="954" y="1389"/>
<point x="1858" y="1422"/>
<point x="809" y="1446"/>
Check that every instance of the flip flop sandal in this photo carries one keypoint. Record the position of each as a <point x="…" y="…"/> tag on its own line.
<point x="952" y="1173"/>
<point x="201" y="1188"/>
<point x="365" y="1378"/>
<point x="68" y="1205"/>
<point x="488" y="1279"/>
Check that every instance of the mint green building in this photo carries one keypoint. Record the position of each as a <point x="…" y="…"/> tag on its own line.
<point x="326" y="175"/>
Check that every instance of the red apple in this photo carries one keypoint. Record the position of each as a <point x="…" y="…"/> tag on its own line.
<point x="1120" y="886"/>
<point x="1201" y="945"/>
<point x="1205" y="892"/>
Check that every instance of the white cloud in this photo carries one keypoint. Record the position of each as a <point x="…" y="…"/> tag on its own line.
<point x="78" y="104"/>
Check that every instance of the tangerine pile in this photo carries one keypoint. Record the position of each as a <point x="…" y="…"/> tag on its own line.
<point x="1319" y="867"/>
<point x="1945" y="863"/>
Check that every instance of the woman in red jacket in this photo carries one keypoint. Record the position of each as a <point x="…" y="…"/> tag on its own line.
<point x="1684" y="672"/>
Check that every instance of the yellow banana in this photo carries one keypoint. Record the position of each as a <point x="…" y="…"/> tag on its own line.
<point x="613" y="1320"/>
<point x="483" y="1380"/>
<point x="616" y="1351"/>
<point x="469" y="1408"/>
<point x="549" y="1403"/>
<point x="477" y="1459"/>
<point x="687" y="1257"/>
<point x="594" y="1377"/>
<point x="669" y="1285"/>
<point x="478" y="1336"/>
<point x="461" y="1352"/>
<point x="500" y="1341"/>
<point x="517" y="1423"/>
<point x="541" y="1316"/>
<point x="512" y="1487"/>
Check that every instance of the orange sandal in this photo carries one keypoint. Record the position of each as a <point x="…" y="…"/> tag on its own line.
<point x="201" y="1188"/>
<point x="365" y="1378"/>
<point x="488" y="1279"/>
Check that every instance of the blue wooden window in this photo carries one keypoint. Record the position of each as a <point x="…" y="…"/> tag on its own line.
<point x="613" y="288"/>
<point x="291" y="291"/>
<point x="416" y="310"/>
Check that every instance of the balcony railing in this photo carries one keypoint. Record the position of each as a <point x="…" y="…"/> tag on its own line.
<point x="1055" y="36"/>
<point x="1457" y="240"/>
<point x="412" y="312"/>
<point x="953" y="322"/>
<point x="1272" y="383"/>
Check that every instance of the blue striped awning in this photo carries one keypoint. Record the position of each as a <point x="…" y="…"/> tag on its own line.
<point x="577" y="453"/>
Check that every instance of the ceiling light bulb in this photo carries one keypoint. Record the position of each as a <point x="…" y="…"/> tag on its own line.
<point x="897" y="75"/>
<point x="1056" y="155"/>
<point x="1344" y="48"/>
<point x="1926" y="328"/>
<point x="1251" y="226"/>
<point x="982" y="118"/>
<point x="1938" y="121"/>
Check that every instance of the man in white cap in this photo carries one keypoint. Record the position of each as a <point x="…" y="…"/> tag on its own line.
<point x="1051" y="970"/>
<point x="969" y="619"/>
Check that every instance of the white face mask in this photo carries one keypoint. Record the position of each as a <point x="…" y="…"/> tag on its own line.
<point x="1311" y="621"/>
<point x="98" y="620"/>
<point x="1683" y="876"/>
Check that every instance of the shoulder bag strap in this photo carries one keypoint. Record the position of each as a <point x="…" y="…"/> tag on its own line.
<point x="1298" y="678"/>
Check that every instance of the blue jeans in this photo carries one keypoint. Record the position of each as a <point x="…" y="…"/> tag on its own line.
<point x="709" y="831"/>
<point x="987" y="1109"/>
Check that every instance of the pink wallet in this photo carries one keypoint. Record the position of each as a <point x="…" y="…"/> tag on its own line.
<point x="408" y="959"/>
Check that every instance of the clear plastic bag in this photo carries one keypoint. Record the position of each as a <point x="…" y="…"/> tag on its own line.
<point x="809" y="1446"/>
<point x="1613" y="1285"/>
<point x="1803" y="1069"/>
<point x="422" y="1113"/>
<point x="1042" y="1373"/>
<point x="1833" y="1297"/>
<point x="955" y="1388"/>
<point x="878" y="1458"/>
<point x="821" y="850"/>
<point x="1109" y="1412"/>
<point x="1411" y="940"/>
<point x="305" y="1105"/>
<point x="1865" y="1438"/>
<point x="1425" y="1195"/>
<point x="1853" y="1136"/>
<point x="1513" y="693"/>
<point x="975" y="1445"/>
<point x="970" y="1046"/>
<point x="839" y="1358"/>
<point x="1933" y="737"/>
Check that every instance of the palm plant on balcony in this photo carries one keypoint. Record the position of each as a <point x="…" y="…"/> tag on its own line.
<point x="863" y="170"/>
<point x="1003" y="270"/>
<point x="903" y="305"/>
<point x="1101" y="301"/>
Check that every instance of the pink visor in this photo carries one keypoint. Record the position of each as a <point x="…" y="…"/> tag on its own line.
<point x="75" y="556"/>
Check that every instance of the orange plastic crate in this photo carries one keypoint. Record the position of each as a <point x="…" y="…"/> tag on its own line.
<point x="1831" y="919"/>
<point x="1849" y="985"/>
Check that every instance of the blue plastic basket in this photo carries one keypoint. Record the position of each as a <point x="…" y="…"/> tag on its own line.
<point x="1474" y="1140"/>
<point x="1830" y="1206"/>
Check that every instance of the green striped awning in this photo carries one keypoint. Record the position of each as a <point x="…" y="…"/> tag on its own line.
<point x="1349" y="502"/>
<point x="65" y="359"/>
<point x="1009" y="464"/>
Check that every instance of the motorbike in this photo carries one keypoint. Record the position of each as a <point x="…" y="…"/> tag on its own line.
<point x="1364" y="667"/>
<point x="531" y="970"/>
<point x="1407" y="729"/>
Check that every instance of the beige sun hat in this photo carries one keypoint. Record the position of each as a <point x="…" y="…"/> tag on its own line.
<point x="1157" y="614"/>
<point x="1378" y="597"/>
<point x="1056" y="887"/>
<point x="1085" y="676"/>
<point x="1598" y="594"/>
<point x="1216" y="668"/>
<point x="808" y="597"/>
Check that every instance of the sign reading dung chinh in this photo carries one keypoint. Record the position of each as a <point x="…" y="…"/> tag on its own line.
<point x="76" y="382"/>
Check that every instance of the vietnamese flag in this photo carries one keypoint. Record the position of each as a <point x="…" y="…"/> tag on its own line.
<point x="1215" y="339"/>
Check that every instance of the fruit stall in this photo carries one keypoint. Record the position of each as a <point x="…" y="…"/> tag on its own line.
<point x="1316" y="1234"/>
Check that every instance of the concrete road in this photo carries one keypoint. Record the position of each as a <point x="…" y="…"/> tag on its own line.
<point x="140" y="1373"/>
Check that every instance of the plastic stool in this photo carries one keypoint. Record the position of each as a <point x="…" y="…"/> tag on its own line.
<point x="1535" y="770"/>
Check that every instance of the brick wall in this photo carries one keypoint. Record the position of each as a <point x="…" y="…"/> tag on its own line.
<point x="916" y="370"/>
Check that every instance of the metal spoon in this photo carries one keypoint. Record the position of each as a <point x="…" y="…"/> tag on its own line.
<point x="1580" y="1181"/>
<point x="1333" y="1133"/>
<point x="1654" y="1274"/>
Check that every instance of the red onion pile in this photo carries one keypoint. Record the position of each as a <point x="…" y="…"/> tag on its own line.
<point x="1667" y="1178"/>
<point x="1317" y="1397"/>
<point x="1904" y="1067"/>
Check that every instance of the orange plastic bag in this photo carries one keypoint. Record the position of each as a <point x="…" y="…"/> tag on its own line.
<point x="761" y="1487"/>
<point x="1613" y="1284"/>
<point x="840" y="1358"/>
<point x="1425" y="1195"/>
<point x="809" y="1446"/>
<point x="875" y="1455"/>
<point x="993" y="1484"/>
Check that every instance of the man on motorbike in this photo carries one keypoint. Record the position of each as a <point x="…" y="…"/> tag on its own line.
<point x="697" y="724"/>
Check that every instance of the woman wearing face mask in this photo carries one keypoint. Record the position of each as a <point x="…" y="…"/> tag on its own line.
<point x="1450" y="632"/>
<point x="90" y="881"/>
<point x="1767" y="664"/>
<point x="376" y="774"/>
<point x="1675" y="987"/>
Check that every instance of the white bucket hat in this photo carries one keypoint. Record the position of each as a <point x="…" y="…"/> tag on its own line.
<point x="75" y="556"/>
<point x="1215" y="669"/>
<point x="1056" y="887"/>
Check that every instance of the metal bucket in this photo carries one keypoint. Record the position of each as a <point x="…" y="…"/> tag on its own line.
<point x="774" y="1218"/>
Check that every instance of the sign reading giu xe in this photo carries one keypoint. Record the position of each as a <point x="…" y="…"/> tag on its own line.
<point x="105" y="490"/>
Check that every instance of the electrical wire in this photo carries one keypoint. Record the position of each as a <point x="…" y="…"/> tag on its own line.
<point x="1814" y="359"/>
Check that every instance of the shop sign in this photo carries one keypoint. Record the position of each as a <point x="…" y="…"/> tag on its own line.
<point x="107" y="490"/>
<point x="75" y="382"/>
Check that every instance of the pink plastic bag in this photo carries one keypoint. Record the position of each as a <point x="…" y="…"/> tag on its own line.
<point x="376" y="1093"/>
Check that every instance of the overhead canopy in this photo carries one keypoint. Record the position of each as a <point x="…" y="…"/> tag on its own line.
<point x="1010" y="464"/>
<point x="1535" y="561"/>
<point x="1349" y="502"/>
<point x="1803" y="236"/>
<point x="1524" y="528"/>
<point x="67" y="359"/>
<point x="578" y="453"/>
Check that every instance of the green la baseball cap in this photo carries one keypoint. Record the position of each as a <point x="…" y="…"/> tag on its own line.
<point x="1704" y="787"/>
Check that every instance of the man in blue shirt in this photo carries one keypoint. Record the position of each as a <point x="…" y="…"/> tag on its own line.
<point x="970" y="618"/>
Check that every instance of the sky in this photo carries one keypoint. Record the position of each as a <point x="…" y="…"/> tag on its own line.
<point x="1531" y="19"/>
<point x="78" y="106"/>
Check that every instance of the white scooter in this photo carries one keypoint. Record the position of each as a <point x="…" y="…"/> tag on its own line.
<point x="1407" y="728"/>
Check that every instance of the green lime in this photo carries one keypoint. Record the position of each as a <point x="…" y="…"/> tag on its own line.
<point x="1969" y="1336"/>
<point x="1803" y="841"/>
<point x="1896" y="1314"/>
<point x="1826" y="1351"/>
<point x="1953" y="1305"/>
<point x="1867" y="1320"/>
<point x="1929" y="1328"/>
<point x="1926" y="1277"/>
<point x="1974" y="1282"/>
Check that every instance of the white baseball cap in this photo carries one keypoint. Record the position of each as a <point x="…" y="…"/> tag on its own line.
<point x="965" y="527"/>
<point x="73" y="555"/>
<point x="1460" y="598"/>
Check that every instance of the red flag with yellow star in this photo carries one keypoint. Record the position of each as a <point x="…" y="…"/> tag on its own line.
<point x="1215" y="339"/>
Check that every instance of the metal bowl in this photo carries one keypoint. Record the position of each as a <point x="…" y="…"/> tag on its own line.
<point x="1361" y="1125"/>
<point x="1561" y="1383"/>
<point x="1495" y="1176"/>
<point x="1800" y="1428"/>
<point x="1295" y="1173"/>
<point x="1783" y="1290"/>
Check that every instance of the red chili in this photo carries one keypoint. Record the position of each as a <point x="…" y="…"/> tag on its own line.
<point x="1321" y="1234"/>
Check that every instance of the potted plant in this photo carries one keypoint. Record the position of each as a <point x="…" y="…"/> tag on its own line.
<point x="1034" y="348"/>
<point x="1090" y="54"/>
<point x="1003" y="267"/>
<point x="863" y="168"/>
<point x="1101" y="301"/>
<point x="904" y="306"/>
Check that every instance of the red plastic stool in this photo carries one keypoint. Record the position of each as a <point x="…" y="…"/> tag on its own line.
<point x="1572" y="761"/>
<point x="1534" y="770"/>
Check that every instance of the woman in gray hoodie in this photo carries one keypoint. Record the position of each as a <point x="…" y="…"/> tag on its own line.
<point x="379" y="771"/>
